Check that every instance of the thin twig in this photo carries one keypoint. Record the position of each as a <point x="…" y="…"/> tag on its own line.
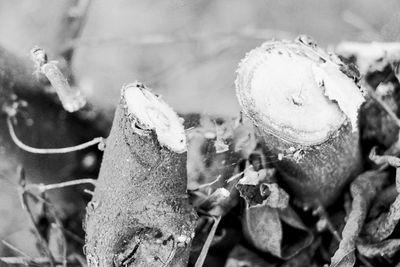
<point x="382" y="103"/>
<point x="20" y="144"/>
<point x="40" y="261"/>
<point x="43" y="188"/>
<point x="43" y="243"/>
<point x="207" y="244"/>
<point x="13" y="248"/>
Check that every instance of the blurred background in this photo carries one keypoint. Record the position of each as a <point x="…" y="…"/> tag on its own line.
<point x="186" y="50"/>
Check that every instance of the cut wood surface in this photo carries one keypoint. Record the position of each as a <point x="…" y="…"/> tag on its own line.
<point x="306" y="110"/>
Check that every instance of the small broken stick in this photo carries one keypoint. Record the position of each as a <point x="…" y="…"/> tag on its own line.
<point x="71" y="97"/>
<point x="383" y="226"/>
<point x="363" y="189"/>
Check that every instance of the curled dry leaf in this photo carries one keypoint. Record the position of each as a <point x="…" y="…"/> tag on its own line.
<point x="363" y="189"/>
<point x="264" y="227"/>
<point x="385" y="248"/>
<point x="383" y="201"/>
<point x="258" y="187"/>
<point x="382" y="227"/>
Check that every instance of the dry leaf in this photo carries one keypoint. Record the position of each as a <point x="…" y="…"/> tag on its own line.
<point x="363" y="189"/>
<point x="264" y="227"/>
<point x="385" y="248"/>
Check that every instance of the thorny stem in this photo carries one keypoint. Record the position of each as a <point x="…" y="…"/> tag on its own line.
<point x="43" y="188"/>
<point x="234" y="177"/>
<point x="20" y="144"/>
<point x="12" y="247"/>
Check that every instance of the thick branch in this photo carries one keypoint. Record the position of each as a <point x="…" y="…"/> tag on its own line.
<point x="139" y="215"/>
<point x="306" y="110"/>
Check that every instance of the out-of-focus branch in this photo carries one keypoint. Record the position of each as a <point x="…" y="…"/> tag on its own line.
<point x="245" y="34"/>
<point x="71" y="26"/>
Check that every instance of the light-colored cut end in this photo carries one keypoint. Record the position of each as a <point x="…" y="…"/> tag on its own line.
<point x="296" y="92"/>
<point x="150" y="112"/>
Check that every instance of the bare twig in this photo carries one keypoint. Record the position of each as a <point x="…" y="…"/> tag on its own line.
<point x="71" y="27"/>
<point x="13" y="248"/>
<point x="43" y="188"/>
<point x="40" y="261"/>
<point x="20" y="144"/>
<point x="42" y="242"/>
<point x="384" y="225"/>
<point x="207" y="244"/>
<point x="382" y="103"/>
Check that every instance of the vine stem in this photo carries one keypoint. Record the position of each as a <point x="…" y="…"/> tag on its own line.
<point x="20" y="144"/>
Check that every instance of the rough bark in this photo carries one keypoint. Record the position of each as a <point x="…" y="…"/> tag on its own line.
<point x="308" y="119"/>
<point x="139" y="214"/>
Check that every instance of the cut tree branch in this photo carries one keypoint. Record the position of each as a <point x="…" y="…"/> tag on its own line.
<point x="139" y="214"/>
<point x="306" y="110"/>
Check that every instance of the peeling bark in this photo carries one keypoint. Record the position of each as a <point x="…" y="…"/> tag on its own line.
<point x="139" y="215"/>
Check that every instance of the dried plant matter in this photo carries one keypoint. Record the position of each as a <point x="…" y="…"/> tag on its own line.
<point x="139" y="214"/>
<point x="363" y="189"/>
